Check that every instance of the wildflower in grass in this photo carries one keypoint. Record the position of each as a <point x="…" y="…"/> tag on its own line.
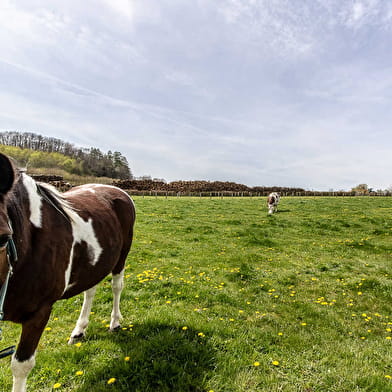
<point x="77" y="344"/>
<point x="389" y="377"/>
<point x="57" y="385"/>
<point x="184" y="328"/>
<point x="388" y="338"/>
<point x="304" y="324"/>
<point x="126" y="359"/>
<point x="275" y="363"/>
<point x="280" y="333"/>
<point x="359" y="293"/>
<point x="48" y="329"/>
<point x="79" y="373"/>
<point x="201" y="334"/>
<point x="256" y="363"/>
<point x="111" y="380"/>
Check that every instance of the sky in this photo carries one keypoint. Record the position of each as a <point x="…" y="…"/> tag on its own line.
<point x="291" y="93"/>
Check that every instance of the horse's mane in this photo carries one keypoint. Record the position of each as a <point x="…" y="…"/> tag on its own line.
<point x="52" y="196"/>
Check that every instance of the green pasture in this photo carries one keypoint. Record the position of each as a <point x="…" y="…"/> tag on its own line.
<point x="219" y="296"/>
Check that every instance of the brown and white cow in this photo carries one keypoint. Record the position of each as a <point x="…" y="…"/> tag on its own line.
<point x="272" y="202"/>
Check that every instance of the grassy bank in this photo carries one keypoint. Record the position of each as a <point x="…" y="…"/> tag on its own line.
<point x="221" y="297"/>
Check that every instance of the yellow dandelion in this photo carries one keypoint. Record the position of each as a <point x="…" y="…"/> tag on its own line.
<point x="79" y="373"/>
<point x="184" y="328"/>
<point x="201" y="334"/>
<point x="304" y="324"/>
<point x="111" y="380"/>
<point x="256" y="363"/>
<point x="388" y="338"/>
<point x="48" y="329"/>
<point x="77" y="344"/>
<point x="57" y="385"/>
<point x="126" y="359"/>
<point x="275" y="363"/>
<point x="280" y="333"/>
<point x="389" y="377"/>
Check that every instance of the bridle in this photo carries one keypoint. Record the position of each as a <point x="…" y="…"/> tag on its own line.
<point x="12" y="258"/>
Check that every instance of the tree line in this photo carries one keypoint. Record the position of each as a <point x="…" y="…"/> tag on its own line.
<point x="31" y="149"/>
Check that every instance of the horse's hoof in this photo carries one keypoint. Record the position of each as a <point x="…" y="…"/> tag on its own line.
<point x="76" y="338"/>
<point x="115" y="329"/>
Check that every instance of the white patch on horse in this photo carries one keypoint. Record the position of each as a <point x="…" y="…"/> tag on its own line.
<point x="35" y="200"/>
<point x="20" y="371"/>
<point x="82" y="231"/>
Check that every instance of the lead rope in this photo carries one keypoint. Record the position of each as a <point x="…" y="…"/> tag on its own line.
<point x="11" y="255"/>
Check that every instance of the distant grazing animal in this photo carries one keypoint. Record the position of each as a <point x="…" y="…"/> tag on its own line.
<point x="272" y="202"/>
<point x="54" y="246"/>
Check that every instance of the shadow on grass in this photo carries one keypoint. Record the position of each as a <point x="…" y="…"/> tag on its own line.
<point x="282" y="211"/>
<point x="162" y="358"/>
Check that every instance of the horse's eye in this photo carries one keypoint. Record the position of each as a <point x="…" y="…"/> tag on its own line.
<point x="4" y="240"/>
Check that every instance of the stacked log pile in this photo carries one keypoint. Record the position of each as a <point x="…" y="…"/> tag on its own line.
<point x="194" y="187"/>
<point x="56" y="181"/>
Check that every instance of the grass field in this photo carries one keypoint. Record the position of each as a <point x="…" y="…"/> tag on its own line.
<point x="220" y="296"/>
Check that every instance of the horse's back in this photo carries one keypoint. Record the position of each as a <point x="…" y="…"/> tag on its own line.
<point x="96" y="200"/>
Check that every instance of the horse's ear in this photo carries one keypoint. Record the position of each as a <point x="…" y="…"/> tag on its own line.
<point x="7" y="174"/>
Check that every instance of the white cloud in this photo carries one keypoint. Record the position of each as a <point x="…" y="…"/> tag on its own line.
<point x="124" y="8"/>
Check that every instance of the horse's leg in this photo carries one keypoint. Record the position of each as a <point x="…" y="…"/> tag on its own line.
<point x="117" y="286"/>
<point x="83" y="319"/>
<point x="24" y="359"/>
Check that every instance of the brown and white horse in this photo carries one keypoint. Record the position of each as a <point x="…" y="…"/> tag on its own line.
<point x="65" y="244"/>
<point x="272" y="202"/>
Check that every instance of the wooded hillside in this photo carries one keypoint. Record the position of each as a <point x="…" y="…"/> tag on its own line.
<point x="32" y="150"/>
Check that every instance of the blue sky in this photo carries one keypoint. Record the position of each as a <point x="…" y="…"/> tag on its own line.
<point x="260" y="92"/>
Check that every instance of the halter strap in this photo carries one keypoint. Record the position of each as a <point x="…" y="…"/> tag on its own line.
<point x="12" y="257"/>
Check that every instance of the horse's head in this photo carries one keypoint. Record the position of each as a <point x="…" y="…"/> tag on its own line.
<point x="7" y="178"/>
